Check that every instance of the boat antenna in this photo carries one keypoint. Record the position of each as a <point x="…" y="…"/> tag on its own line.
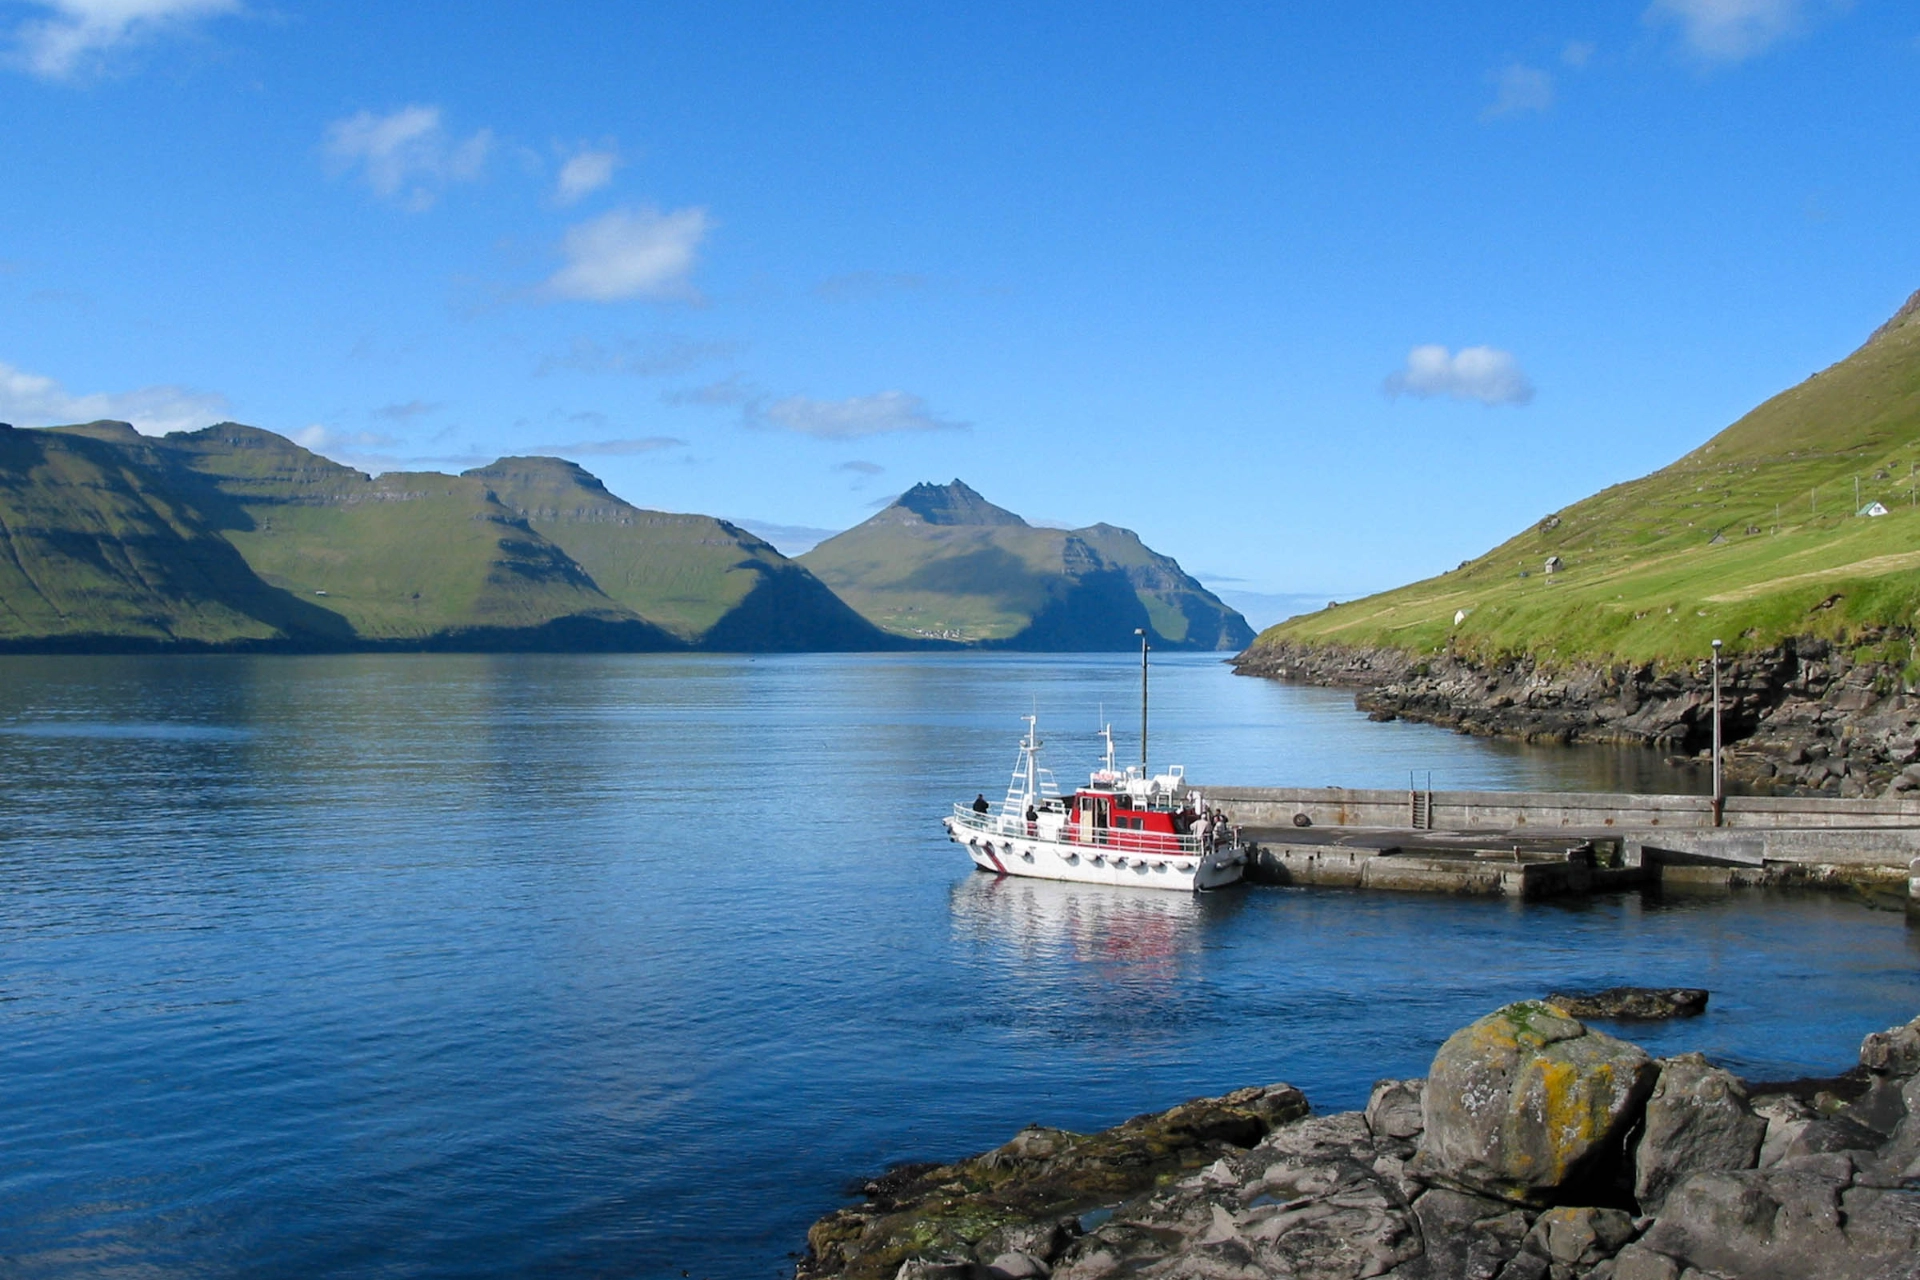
<point x="1028" y="751"/>
<point x="1142" y="633"/>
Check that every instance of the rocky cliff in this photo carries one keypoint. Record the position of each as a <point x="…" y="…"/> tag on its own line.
<point x="1808" y="715"/>
<point x="1536" y="1149"/>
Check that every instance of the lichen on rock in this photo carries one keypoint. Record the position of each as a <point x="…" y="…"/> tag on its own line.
<point x="1530" y="1105"/>
<point x="1506" y="1163"/>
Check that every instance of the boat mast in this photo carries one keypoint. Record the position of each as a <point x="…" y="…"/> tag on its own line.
<point x="1142" y="633"/>
<point x="1028" y="748"/>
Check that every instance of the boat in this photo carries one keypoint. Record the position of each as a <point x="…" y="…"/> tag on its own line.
<point x="1124" y="827"/>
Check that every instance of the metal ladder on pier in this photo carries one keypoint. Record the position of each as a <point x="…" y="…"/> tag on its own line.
<point x="1419" y="804"/>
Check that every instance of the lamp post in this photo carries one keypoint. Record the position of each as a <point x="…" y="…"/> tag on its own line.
<point x="1719" y="794"/>
<point x="1142" y="633"/>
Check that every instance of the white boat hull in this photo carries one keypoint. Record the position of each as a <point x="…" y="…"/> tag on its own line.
<point x="1011" y="854"/>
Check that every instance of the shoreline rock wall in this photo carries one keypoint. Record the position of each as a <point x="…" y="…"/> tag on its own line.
<point x="1807" y="717"/>
<point x="1535" y="1149"/>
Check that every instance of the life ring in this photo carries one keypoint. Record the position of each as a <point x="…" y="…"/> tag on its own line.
<point x="1302" y="820"/>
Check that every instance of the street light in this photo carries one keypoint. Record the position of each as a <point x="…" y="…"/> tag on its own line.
<point x="1142" y="633"/>
<point x="1719" y="794"/>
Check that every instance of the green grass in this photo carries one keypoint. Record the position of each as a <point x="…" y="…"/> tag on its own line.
<point x="683" y="572"/>
<point x="91" y="546"/>
<point x="1750" y="538"/>
<point x="999" y="581"/>
<point x="402" y="556"/>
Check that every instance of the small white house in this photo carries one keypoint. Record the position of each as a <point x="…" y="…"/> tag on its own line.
<point x="1873" y="509"/>
<point x="1553" y="564"/>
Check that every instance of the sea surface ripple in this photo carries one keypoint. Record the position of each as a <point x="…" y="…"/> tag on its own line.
<point x="626" y="965"/>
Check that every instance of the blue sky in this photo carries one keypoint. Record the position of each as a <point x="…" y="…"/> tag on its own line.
<point x="1317" y="298"/>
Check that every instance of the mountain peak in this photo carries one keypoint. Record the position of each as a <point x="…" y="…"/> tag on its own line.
<point x="954" y="503"/>
<point x="1899" y="319"/>
<point x="537" y="468"/>
<point x="109" y="429"/>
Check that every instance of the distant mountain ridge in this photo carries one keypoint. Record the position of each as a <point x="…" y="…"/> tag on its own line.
<point x="233" y="537"/>
<point x="943" y="563"/>
<point x="236" y="538"/>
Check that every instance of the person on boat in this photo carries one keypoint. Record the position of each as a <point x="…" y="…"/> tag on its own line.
<point x="980" y="805"/>
<point x="1206" y="833"/>
<point x="1033" y="819"/>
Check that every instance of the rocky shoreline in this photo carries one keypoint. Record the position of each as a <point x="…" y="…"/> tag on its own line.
<point x="1809" y="716"/>
<point x="1535" y="1149"/>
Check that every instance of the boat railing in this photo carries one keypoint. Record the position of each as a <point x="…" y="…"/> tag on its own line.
<point x="1111" y="839"/>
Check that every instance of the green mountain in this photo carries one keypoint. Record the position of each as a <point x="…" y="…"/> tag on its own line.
<point x="705" y="580"/>
<point x="237" y="537"/>
<point x="1755" y="536"/>
<point x="943" y="563"/>
<point x="96" y="545"/>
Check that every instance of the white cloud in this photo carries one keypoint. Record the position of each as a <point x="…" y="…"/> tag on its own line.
<point x="630" y="253"/>
<point x="850" y="419"/>
<point x="1730" y="30"/>
<point x="584" y="173"/>
<point x="34" y="400"/>
<point x="1518" y="89"/>
<point x="406" y="155"/>
<point x="77" y="33"/>
<point x="1485" y="374"/>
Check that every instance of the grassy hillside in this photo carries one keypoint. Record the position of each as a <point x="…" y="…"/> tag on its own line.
<point x="94" y="545"/>
<point x="234" y="536"/>
<point x="944" y="563"/>
<point x="1752" y="537"/>
<point x="703" y="579"/>
<point x="400" y="557"/>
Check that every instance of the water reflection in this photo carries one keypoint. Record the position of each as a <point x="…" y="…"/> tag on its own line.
<point x="1146" y="932"/>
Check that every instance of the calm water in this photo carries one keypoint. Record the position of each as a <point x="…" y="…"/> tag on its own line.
<point x="451" y="966"/>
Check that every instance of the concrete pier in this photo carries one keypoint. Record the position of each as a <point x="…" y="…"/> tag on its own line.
<point x="1538" y="844"/>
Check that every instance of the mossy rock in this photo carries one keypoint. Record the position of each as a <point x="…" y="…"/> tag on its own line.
<point x="1041" y="1178"/>
<point x="1530" y="1105"/>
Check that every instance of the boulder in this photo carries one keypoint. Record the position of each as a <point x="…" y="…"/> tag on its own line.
<point x="1303" y="1203"/>
<point x="1466" y="1237"/>
<point x="1635" y="1004"/>
<point x="1697" y="1120"/>
<point x="1788" y="1224"/>
<point x="1529" y="1105"/>
<point x="1017" y="1266"/>
<point x="1637" y="1262"/>
<point x="1828" y="1134"/>
<point x="1394" y="1109"/>
<point x="1894" y="1052"/>
<point x="1578" y="1238"/>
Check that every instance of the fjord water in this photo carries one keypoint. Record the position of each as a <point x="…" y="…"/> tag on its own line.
<point x="612" y="965"/>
